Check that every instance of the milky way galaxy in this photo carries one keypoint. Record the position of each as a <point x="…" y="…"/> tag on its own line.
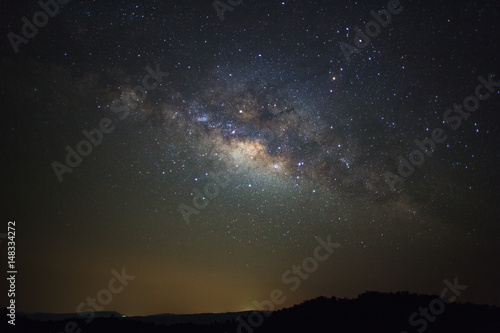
<point x="303" y="137"/>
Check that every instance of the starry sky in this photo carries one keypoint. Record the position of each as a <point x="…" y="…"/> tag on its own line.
<point x="237" y="139"/>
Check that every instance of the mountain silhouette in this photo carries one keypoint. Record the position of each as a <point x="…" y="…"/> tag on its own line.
<point x="369" y="312"/>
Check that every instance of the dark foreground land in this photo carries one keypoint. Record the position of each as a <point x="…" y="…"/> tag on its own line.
<point x="370" y="312"/>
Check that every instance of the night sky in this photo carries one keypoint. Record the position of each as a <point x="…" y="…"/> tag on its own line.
<point x="228" y="147"/>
